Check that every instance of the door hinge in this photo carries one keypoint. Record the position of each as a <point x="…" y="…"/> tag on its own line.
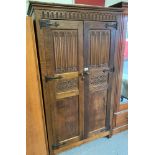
<point x="109" y="70"/>
<point x="56" y="146"/>
<point x="49" y="78"/>
<point x="47" y="23"/>
<point x="109" y="25"/>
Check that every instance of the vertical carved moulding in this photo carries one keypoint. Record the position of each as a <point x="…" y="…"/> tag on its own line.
<point x="99" y="39"/>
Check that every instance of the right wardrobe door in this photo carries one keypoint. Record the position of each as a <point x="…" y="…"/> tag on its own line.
<point x="99" y="47"/>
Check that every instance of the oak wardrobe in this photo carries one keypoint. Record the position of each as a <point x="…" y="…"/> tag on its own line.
<point x="79" y="48"/>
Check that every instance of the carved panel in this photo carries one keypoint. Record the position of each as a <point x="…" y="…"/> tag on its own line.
<point x="78" y="15"/>
<point x="98" y="55"/>
<point x="99" y="47"/>
<point x="65" y="50"/>
<point x="67" y="85"/>
<point x="98" y="80"/>
<point x="97" y="107"/>
<point x="67" y="118"/>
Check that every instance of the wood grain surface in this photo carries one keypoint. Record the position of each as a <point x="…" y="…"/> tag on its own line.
<point x="80" y="51"/>
<point x="36" y="140"/>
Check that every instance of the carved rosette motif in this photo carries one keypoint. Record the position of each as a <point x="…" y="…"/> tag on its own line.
<point x="78" y="15"/>
<point x="98" y="80"/>
<point x="67" y="85"/>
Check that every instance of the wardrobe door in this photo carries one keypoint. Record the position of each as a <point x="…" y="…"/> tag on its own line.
<point x="61" y="59"/>
<point x="99" y="45"/>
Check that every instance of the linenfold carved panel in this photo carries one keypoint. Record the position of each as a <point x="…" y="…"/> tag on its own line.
<point x="78" y="15"/>
<point x="98" y="80"/>
<point x="99" y="47"/>
<point x="98" y="101"/>
<point x="67" y="85"/>
<point x="65" y="50"/>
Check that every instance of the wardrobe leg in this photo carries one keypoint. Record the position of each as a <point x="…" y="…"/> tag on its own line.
<point x="110" y="135"/>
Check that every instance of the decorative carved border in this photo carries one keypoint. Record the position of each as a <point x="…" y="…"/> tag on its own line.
<point x="67" y="85"/>
<point x="98" y="80"/>
<point x="81" y="10"/>
<point x="78" y="15"/>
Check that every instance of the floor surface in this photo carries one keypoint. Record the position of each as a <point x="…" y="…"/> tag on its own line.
<point x="117" y="145"/>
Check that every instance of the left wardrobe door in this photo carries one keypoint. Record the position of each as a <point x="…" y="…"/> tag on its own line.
<point x="60" y="45"/>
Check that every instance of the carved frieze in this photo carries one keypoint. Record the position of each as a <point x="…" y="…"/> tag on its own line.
<point x="78" y="15"/>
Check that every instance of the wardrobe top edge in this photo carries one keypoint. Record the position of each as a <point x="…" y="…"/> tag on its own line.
<point x="46" y="5"/>
<point x="120" y="5"/>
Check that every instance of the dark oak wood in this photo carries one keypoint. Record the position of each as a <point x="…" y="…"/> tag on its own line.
<point x="119" y="58"/>
<point x="99" y="45"/>
<point x="123" y="5"/>
<point x="63" y="97"/>
<point x="74" y="12"/>
<point x="78" y="51"/>
<point x="103" y="134"/>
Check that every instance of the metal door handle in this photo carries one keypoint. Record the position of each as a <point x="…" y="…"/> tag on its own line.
<point x="86" y="73"/>
<point x="82" y="76"/>
<point x="47" y="78"/>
